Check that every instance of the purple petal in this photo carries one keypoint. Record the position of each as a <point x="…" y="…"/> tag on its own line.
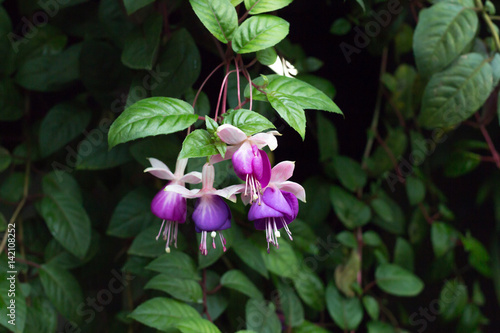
<point x="262" y="211"/>
<point x="211" y="213"/>
<point x="242" y="161"/>
<point x="274" y="198"/>
<point x="265" y="175"/>
<point x="260" y="224"/>
<point x="292" y="202"/>
<point x="169" y="206"/>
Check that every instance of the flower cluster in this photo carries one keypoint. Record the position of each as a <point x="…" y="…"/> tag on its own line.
<point x="273" y="199"/>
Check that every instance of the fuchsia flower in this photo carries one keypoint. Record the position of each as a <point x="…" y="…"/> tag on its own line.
<point x="250" y="163"/>
<point x="278" y="206"/>
<point x="211" y="213"/>
<point x="171" y="206"/>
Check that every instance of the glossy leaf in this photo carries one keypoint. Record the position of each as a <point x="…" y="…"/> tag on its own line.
<point x="461" y="163"/>
<point x="352" y="212"/>
<point x="415" y="189"/>
<point x="145" y="244"/>
<point x="251" y="255"/>
<point x="258" y="33"/>
<point x="249" y="122"/>
<point x="197" y="325"/>
<point x="310" y="288"/>
<point x="371" y="306"/>
<point x="178" y="67"/>
<point x="302" y="93"/>
<point x="349" y="172"/>
<point x="290" y="305"/>
<point x="141" y="45"/>
<point x="454" y="94"/>
<point x="452" y="299"/>
<point x="163" y="313"/>
<point x="347" y="313"/>
<point x="396" y="280"/>
<point x="134" y="5"/>
<point x="283" y="261"/>
<point x="176" y="264"/>
<point x="149" y="117"/>
<point x="180" y="288"/>
<point x="198" y="144"/>
<point x="238" y="281"/>
<point x="67" y="221"/>
<point x="132" y="214"/>
<point x="290" y="111"/>
<point x="62" y="289"/>
<point x="443" y="31"/>
<point x="218" y="16"/>
<point x="63" y="123"/>
<point x="264" y="6"/>
<point x="403" y="254"/>
<point x="261" y="317"/>
<point x="443" y="237"/>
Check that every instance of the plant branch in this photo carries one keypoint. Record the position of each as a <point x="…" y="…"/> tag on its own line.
<point x="204" y="289"/>
<point x="20" y="205"/>
<point x="490" y="24"/>
<point x="494" y="152"/>
<point x="376" y="113"/>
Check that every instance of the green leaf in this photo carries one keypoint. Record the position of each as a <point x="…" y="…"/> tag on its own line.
<point x="380" y="161"/>
<point x="63" y="182"/>
<point x="282" y="261"/>
<point x="443" y="238"/>
<point x="12" y="187"/>
<point x="264" y="6"/>
<point x="383" y="209"/>
<point x="198" y="144"/>
<point x="379" y="327"/>
<point x="132" y="214"/>
<point x="308" y="327"/>
<point x="95" y="155"/>
<point x="454" y="94"/>
<point x="251" y="256"/>
<point x="347" y="238"/>
<point x="460" y="163"/>
<point x="340" y="27"/>
<point x="302" y="93"/>
<point x="349" y="172"/>
<point x="178" y="66"/>
<point x="290" y="305"/>
<point x="371" y="306"/>
<point x="145" y="244"/>
<point x="443" y="32"/>
<point x="163" y="313"/>
<point x="258" y="33"/>
<point x="267" y="56"/>
<point x="176" y="264"/>
<point x="310" y="288"/>
<point x="479" y="258"/>
<point x="6" y="297"/>
<point x="352" y="212"/>
<point x="389" y="216"/>
<point x="218" y="16"/>
<point x="415" y="189"/>
<point x="63" y="290"/>
<point x="347" y="313"/>
<point x="150" y="117"/>
<point x="42" y="316"/>
<point x="290" y="111"/>
<point x="238" y="281"/>
<point x="180" y="288"/>
<point x="48" y="73"/>
<point x="141" y="45"/>
<point x="134" y="5"/>
<point x="346" y="274"/>
<point x="396" y="280"/>
<point x="11" y="101"/>
<point x="67" y="221"/>
<point x="452" y="300"/>
<point x="403" y="254"/>
<point x="249" y="122"/>
<point x="327" y="138"/>
<point x="261" y="317"/>
<point x="197" y="325"/>
<point x="63" y="123"/>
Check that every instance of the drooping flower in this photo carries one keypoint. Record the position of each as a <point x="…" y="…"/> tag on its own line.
<point x="250" y="162"/>
<point x="279" y="205"/>
<point x="211" y="213"/>
<point x="171" y="206"/>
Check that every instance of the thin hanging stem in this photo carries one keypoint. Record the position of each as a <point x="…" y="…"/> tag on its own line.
<point x="236" y="60"/>
<point x="204" y="82"/>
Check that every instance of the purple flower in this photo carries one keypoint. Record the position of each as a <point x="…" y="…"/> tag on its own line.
<point x="171" y="206"/>
<point x="278" y="206"/>
<point x="250" y="163"/>
<point x="211" y="213"/>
